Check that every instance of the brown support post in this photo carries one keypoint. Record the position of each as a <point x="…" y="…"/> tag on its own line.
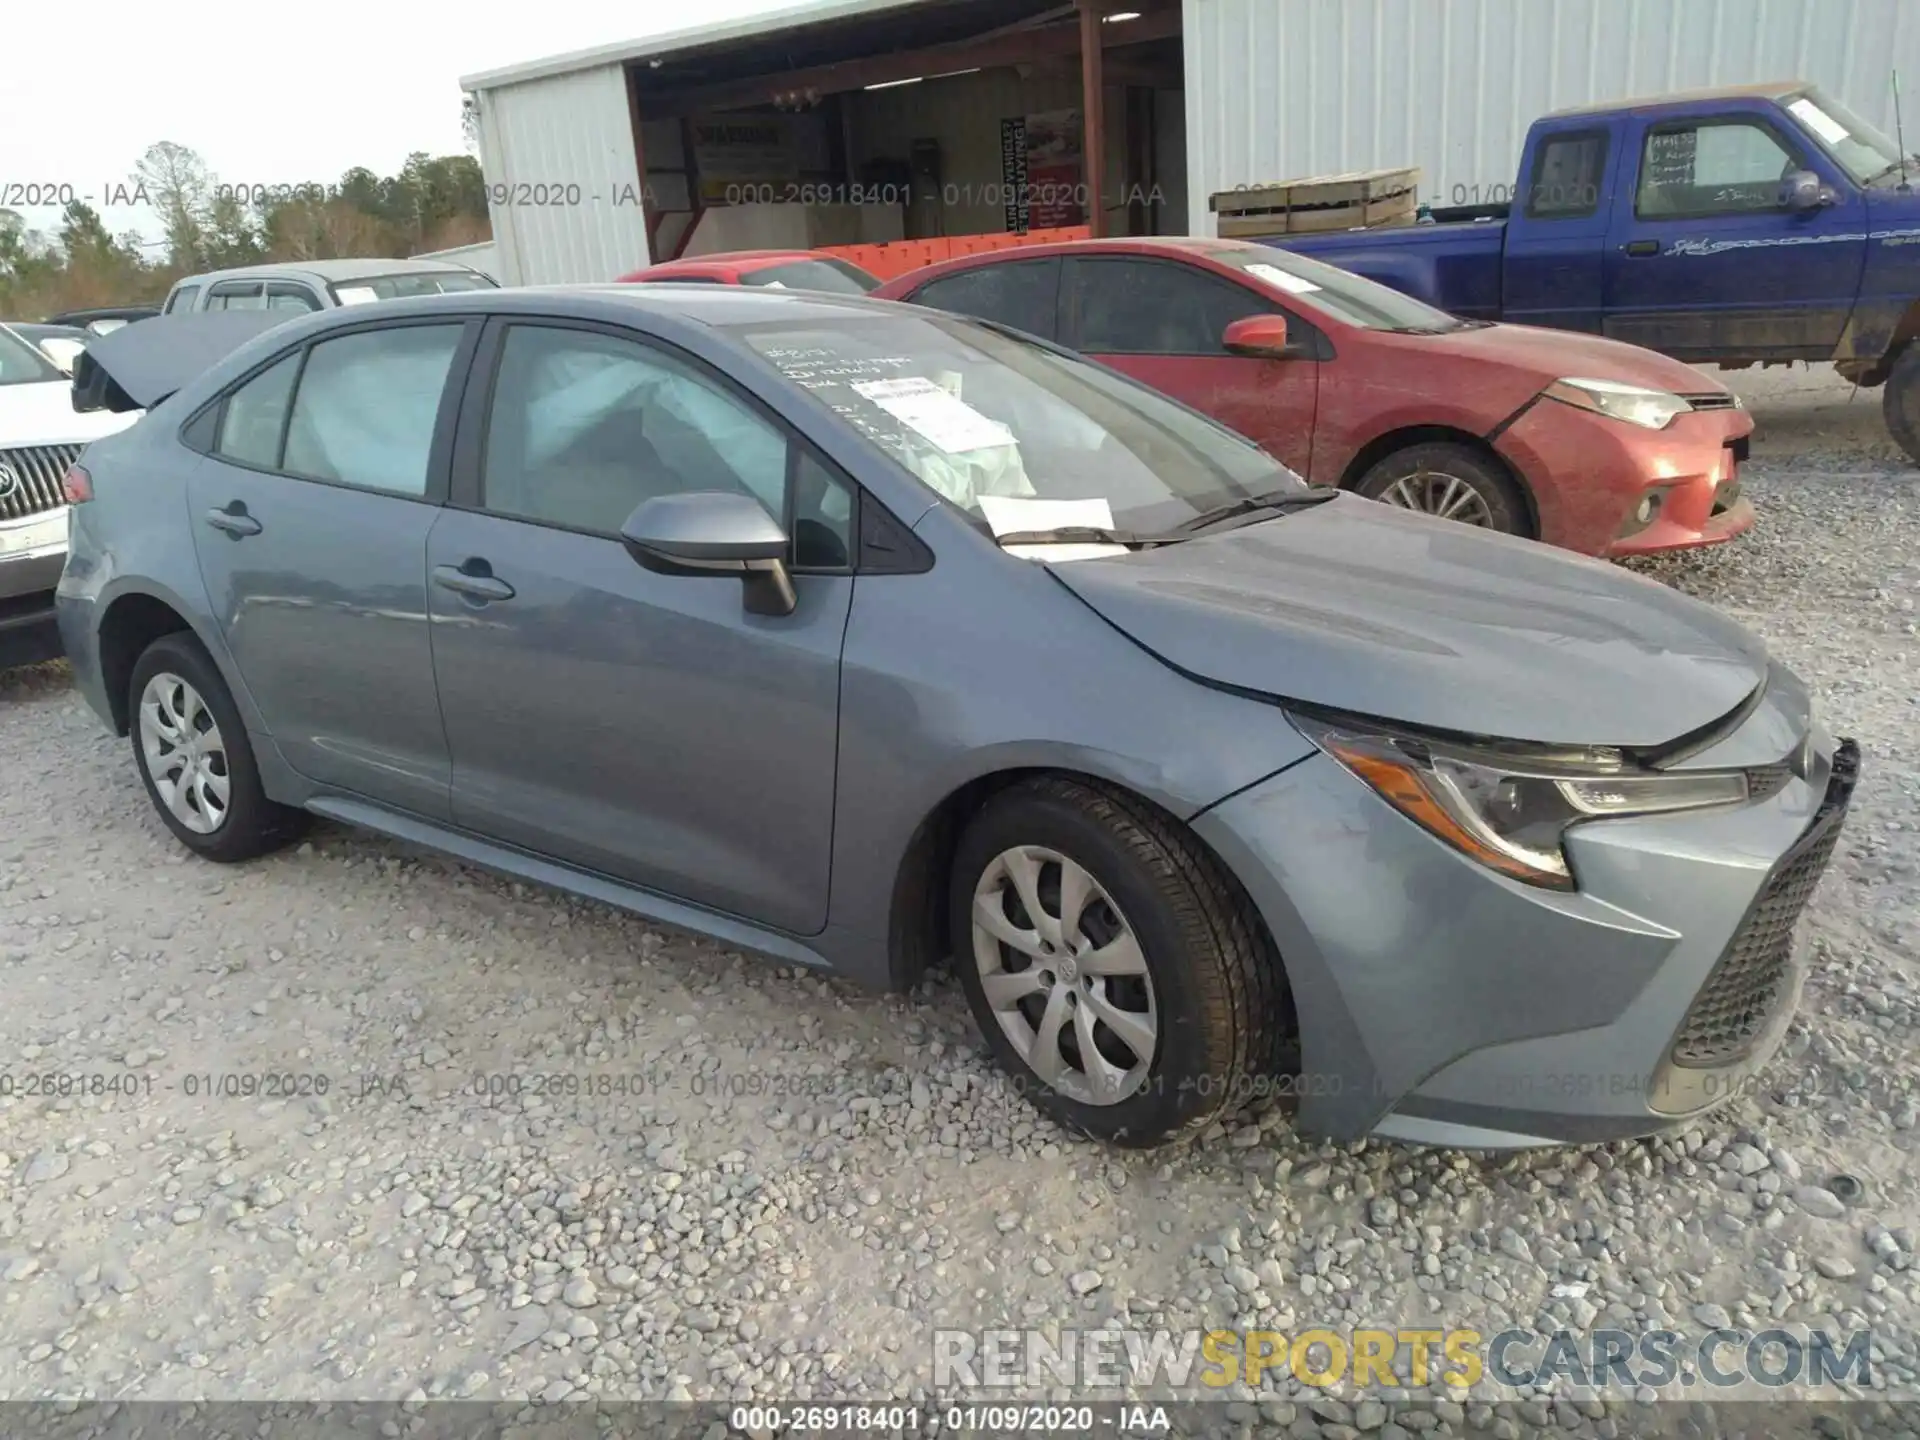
<point x="1092" y="111"/>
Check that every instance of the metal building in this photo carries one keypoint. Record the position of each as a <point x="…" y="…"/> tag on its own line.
<point x="845" y="121"/>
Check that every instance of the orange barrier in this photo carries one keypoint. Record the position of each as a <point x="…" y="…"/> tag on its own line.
<point x="900" y="256"/>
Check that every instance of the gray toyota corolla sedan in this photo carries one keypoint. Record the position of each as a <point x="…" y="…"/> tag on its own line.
<point x="862" y="636"/>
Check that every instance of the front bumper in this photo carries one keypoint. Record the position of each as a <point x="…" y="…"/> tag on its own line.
<point x="32" y="552"/>
<point x="1440" y="1003"/>
<point x="1589" y="473"/>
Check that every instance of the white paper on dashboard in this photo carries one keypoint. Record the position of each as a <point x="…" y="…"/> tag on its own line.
<point x="1818" y="121"/>
<point x="939" y="418"/>
<point x="354" y="294"/>
<point x="1290" y="283"/>
<point x="1014" y="514"/>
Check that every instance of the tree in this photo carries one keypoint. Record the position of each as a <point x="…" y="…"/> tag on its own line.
<point x="181" y="189"/>
<point x="470" y="121"/>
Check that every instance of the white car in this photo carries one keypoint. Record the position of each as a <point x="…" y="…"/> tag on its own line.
<point x="41" y="435"/>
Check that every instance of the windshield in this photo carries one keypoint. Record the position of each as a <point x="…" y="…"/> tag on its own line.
<point x="1337" y="293"/>
<point x="835" y="277"/>
<point x="21" y="364"/>
<point x="1857" y="147"/>
<point x="399" y="287"/>
<point x="973" y="412"/>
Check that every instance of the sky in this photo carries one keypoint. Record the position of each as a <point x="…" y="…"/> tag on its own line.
<point x="268" y="96"/>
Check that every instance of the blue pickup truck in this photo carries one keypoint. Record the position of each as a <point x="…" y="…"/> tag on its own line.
<point x="1760" y="224"/>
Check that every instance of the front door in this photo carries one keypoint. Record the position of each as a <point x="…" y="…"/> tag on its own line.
<point x="1161" y="321"/>
<point x="1704" y="261"/>
<point x="311" y="518"/>
<point x="640" y="725"/>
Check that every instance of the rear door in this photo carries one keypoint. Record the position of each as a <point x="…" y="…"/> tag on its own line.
<point x="1161" y="320"/>
<point x="1704" y="260"/>
<point x="311" y="516"/>
<point x="644" y="726"/>
<point x="1024" y="294"/>
<point x="1556" y="237"/>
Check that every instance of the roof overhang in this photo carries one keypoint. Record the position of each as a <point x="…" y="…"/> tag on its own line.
<point x="695" y="37"/>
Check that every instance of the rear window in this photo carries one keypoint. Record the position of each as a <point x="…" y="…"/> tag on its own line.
<point x="400" y="287"/>
<point x="835" y="277"/>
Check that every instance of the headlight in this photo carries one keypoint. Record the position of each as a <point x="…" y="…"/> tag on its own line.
<point x="1636" y="405"/>
<point x="1508" y="810"/>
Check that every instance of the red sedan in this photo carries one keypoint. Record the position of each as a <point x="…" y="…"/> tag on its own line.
<point x="1576" y="440"/>
<point x="774" y="269"/>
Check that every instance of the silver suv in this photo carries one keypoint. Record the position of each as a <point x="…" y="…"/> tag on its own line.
<point x="301" y="286"/>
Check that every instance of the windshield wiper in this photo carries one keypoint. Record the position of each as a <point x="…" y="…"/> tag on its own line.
<point x="1253" y="504"/>
<point x="1900" y="165"/>
<point x="1076" y="535"/>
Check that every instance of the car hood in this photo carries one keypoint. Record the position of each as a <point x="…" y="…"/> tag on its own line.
<point x="42" y="414"/>
<point x="1357" y="606"/>
<point x="1565" y="354"/>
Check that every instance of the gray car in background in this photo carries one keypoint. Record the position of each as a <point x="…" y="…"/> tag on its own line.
<point x="861" y="637"/>
<point x="296" y="287"/>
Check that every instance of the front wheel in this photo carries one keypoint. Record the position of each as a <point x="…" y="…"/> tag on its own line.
<point x="1450" y="482"/>
<point x="1115" y="970"/>
<point x="1900" y="402"/>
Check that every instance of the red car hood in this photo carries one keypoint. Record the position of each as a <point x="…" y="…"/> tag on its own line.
<point x="1565" y="354"/>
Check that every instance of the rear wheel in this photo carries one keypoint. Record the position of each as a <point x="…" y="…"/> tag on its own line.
<point x="1900" y="402"/>
<point x="1451" y="482"/>
<point x="194" y="756"/>
<point x="1114" y="969"/>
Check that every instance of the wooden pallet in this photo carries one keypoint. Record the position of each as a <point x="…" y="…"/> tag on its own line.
<point x="1359" y="199"/>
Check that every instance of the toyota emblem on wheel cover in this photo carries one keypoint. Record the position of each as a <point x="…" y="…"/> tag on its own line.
<point x="9" y="481"/>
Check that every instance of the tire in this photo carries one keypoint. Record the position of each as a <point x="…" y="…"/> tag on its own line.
<point x="1434" y="471"/>
<point x="1218" y="1003"/>
<point x="175" y="678"/>
<point x="1900" y="402"/>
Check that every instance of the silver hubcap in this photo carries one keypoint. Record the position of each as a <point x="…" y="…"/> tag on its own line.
<point x="1065" y="975"/>
<point x="186" y="758"/>
<point x="1433" y="492"/>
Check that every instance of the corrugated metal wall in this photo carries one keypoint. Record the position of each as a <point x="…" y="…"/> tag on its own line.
<point x="563" y="184"/>
<point x="1285" y="88"/>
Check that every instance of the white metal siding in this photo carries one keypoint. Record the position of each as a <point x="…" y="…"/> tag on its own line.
<point x="563" y="131"/>
<point x="1285" y="88"/>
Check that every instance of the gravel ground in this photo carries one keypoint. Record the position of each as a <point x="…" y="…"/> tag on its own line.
<point x="751" y="1181"/>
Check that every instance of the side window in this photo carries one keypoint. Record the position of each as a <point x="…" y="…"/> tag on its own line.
<point x="255" y="416"/>
<point x="181" y="300"/>
<point x="1154" y="307"/>
<point x="1021" y="293"/>
<point x="285" y="295"/>
<point x="586" y="426"/>
<point x="822" y="516"/>
<point x="365" y="410"/>
<point x="1728" y="167"/>
<point x="236" y="295"/>
<point x="1567" y="173"/>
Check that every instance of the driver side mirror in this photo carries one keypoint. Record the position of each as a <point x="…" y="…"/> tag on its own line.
<point x="715" y="532"/>
<point x="1259" y="337"/>
<point x="1802" y="190"/>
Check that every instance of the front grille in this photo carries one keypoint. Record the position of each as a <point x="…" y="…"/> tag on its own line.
<point x="1711" y="400"/>
<point x="36" y="471"/>
<point x="1746" y="986"/>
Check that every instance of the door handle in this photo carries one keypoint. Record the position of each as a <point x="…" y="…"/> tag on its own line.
<point x="1642" y="247"/>
<point x="475" y="584"/>
<point x="234" y="520"/>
